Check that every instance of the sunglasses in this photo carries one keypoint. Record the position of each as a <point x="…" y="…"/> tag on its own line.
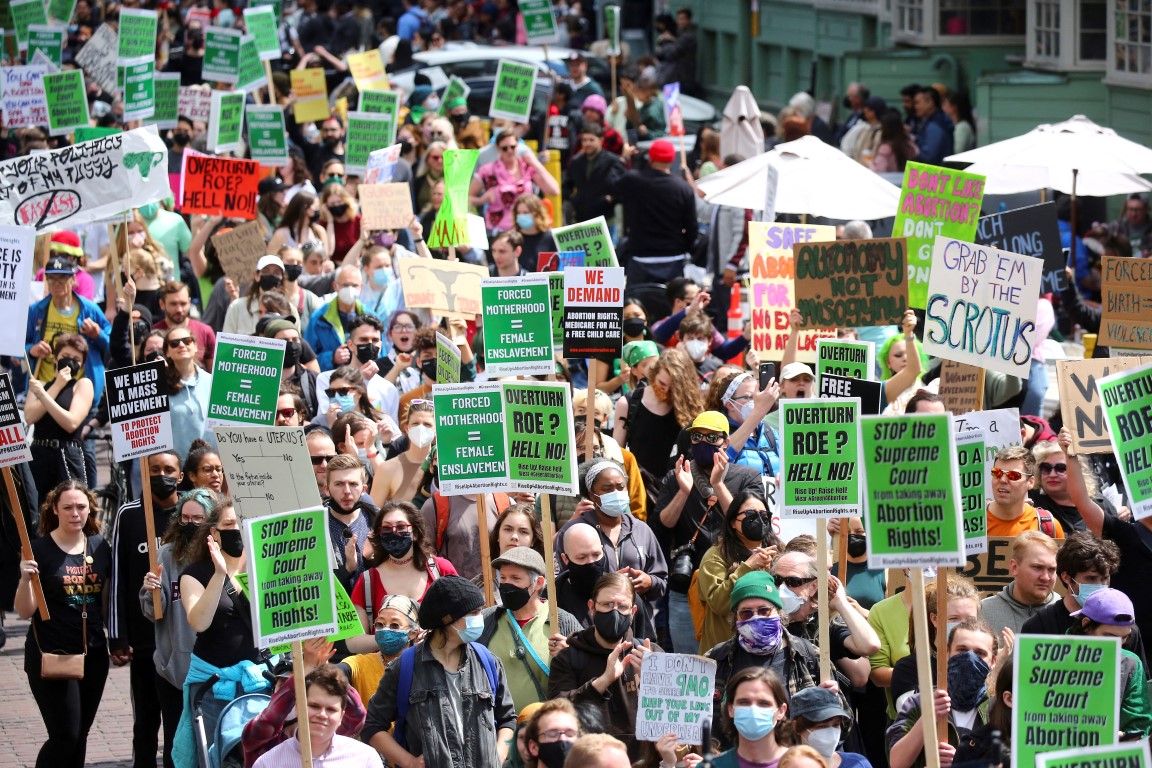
<point x="399" y="529"/>
<point x="1012" y="474"/>
<point x="318" y="460"/>
<point x="764" y="611"/>
<point x="420" y="402"/>
<point x="1047" y="469"/>
<point x="286" y="413"/>
<point x="185" y="341"/>
<point x="341" y="391"/>
<point x="794" y="582"/>
<point x="712" y="438"/>
<point x="508" y="148"/>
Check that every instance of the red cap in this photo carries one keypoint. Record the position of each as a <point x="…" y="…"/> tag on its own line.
<point x="661" y="151"/>
<point x="66" y="241"/>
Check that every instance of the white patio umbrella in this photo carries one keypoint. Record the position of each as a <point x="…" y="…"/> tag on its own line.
<point x="815" y="179"/>
<point x="741" y="133"/>
<point x="1013" y="179"/>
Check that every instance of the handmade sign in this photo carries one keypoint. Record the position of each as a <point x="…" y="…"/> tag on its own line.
<point x="385" y="206"/>
<point x="517" y="326"/>
<point x="239" y="249"/>
<point x="1127" y="399"/>
<point x="17" y="253"/>
<point x="1030" y="231"/>
<point x="219" y="186"/>
<point x="539" y="435"/>
<point x="1001" y="428"/>
<point x="451" y="224"/>
<point x="367" y="131"/>
<point x="971" y="470"/>
<point x="23" y="103"/>
<point x="820" y="457"/>
<point x="139" y="91"/>
<point x="245" y="380"/>
<point x="382" y="166"/>
<point x="934" y="202"/>
<point x="167" y="92"/>
<point x="48" y="40"/>
<point x="592" y="237"/>
<point x="367" y="70"/>
<point x="1126" y="302"/>
<point x="451" y="286"/>
<point x="226" y="127"/>
<point x="311" y="94"/>
<point x="267" y="134"/>
<point x="770" y="254"/>
<point x="852" y="282"/>
<point x="470" y="453"/>
<point x="447" y="360"/>
<point x="195" y="103"/>
<point x="676" y="691"/>
<point x="961" y="387"/>
<point x="512" y="96"/>
<point x="25" y="13"/>
<point x="13" y="439"/>
<point x="981" y="306"/>
<point x="1080" y="405"/>
<point x="83" y="183"/>
<point x="869" y="393"/>
<point x="539" y="20"/>
<point x="98" y="58"/>
<point x="138" y="412"/>
<point x="593" y="312"/>
<point x="672" y="112"/>
<point x="845" y="357"/>
<point x="221" y="55"/>
<point x="1132" y="754"/>
<point x="268" y="469"/>
<point x="250" y="72"/>
<point x="67" y="101"/>
<point x="261" y="22"/>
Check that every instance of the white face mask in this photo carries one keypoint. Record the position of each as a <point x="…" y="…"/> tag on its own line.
<point x="696" y="349"/>
<point x="421" y="435"/>
<point x="824" y="740"/>
<point x="348" y="294"/>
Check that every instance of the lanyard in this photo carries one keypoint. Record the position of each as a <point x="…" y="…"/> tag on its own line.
<point x="522" y="641"/>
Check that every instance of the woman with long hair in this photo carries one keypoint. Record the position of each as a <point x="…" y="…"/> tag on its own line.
<point x="498" y="184"/>
<point x="134" y="236"/>
<point x="340" y="215"/>
<point x="301" y="301"/>
<point x="347" y="393"/>
<point x="270" y="205"/>
<point x="534" y="222"/>
<point x="295" y="176"/>
<point x="59" y="411"/>
<point x="755" y="703"/>
<point x="202" y="468"/>
<point x="958" y="107"/>
<point x="667" y="405"/>
<point x="895" y="147"/>
<point x="517" y="526"/>
<point x="299" y="224"/>
<point x="188" y="388"/>
<point x="431" y="172"/>
<point x="74" y="564"/>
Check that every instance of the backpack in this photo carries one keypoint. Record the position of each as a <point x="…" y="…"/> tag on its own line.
<point x="1047" y="524"/>
<point x="404" y="687"/>
<point x="444" y="507"/>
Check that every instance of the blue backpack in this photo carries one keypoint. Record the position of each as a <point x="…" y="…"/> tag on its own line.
<point x="404" y="688"/>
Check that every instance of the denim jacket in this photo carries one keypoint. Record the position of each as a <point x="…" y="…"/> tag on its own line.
<point x="431" y="724"/>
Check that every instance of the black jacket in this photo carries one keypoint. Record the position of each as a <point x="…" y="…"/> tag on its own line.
<point x="588" y="184"/>
<point x="127" y="625"/>
<point x="659" y="213"/>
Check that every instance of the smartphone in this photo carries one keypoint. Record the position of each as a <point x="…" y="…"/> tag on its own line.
<point x="767" y="372"/>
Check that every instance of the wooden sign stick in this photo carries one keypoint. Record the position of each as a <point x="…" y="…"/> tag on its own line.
<point x="842" y="552"/>
<point x="485" y="550"/>
<point x="942" y="639"/>
<point x="550" y="564"/>
<point x="822" y="639"/>
<point x="150" y="529"/>
<point x="25" y="542"/>
<point x="923" y="669"/>
<point x="302" y="731"/>
<point x="590" y="411"/>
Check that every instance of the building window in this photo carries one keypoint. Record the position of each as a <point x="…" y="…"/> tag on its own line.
<point x="910" y="16"/>
<point x="1133" y="46"/>
<point x="982" y="18"/>
<point x="1046" y="36"/>
<point x="1093" y="30"/>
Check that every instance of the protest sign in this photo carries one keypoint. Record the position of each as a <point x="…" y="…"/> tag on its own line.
<point x="846" y="357"/>
<point x="98" y="58"/>
<point x="672" y="112"/>
<point x="971" y="471"/>
<point x="539" y="436"/>
<point x="517" y="326"/>
<point x="366" y="131"/>
<point x="311" y="94"/>
<point x="293" y="589"/>
<point x="93" y="132"/>
<point x="67" y="101"/>
<point x="226" y="127"/>
<point x="261" y="23"/>
<point x="675" y="696"/>
<point x="820" y="457"/>
<point x="539" y="20"/>
<point x="195" y="103"/>
<point x="512" y="96"/>
<point x="1030" y="231"/>
<point x="1127" y="399"/>
<point x="961" y="387"/>
<point x="277" y="7"/>
<point x="612" y="29"/>
<point x="1080" y="405"/>
<point x="1001" y="428"/>
<point x="385" y="206"/>
<point x="1065" y="694"/>
<point x="221" y="55"/>
<point x="138" y="411"/>
<point x="869" y="393"/>
<point x="219" y="186"/>
<point x="447" y="360"/>
<point x="558" y="261"/>
<point x="346" y="616"/>
<point x="367" y="70"/>
<point x="592" y="237"/>
<point x="1124" y="755"/>
<point x="852" y="282"/>
<point x="48" y="40"/>
<point x="25" y="13"/>
<point x="139" y="91"/>
<point x="17" y="245"/>
<point x="250" y="72"/>
<point x="1126" y="302"/>
<point x="593" y="312"/>
<point x="137" y="36"/>
<point x="934" y="202"/>
<point x="268" y="469"/>
<point x="239" y="249"/>
<point x="385" y="103"/>
<point x="382" y="166"/>
<point x="451" y="286"/>
<point x="470" y="452"/>
<point x="245" y="380"/>
<point x="61" y="10"/>
<point x="13" y="440"/>
<point x="451" y="224"/>
<point x="772" y="296"/>
<point x="556" y="309"/>
<point x="981" y="307"/>
<point x="167" y="94"/>
<point x="267" y="135"/>
<point x="22" y="100"/>
<point x="455" y="90"/>
<point x="85" y="182"/>
<point x="912" y="491"/>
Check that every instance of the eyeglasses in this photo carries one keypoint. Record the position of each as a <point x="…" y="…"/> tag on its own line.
<point x="341" y="391"/>
<point x="712" y="438"/>
<point x="1011" y="474"/>
<point x="184" y="341"/>
<point x="508" y="148"/>
<point x="1048" y="469"/>
<point x="555" y="734"/>
<point x="212" y="469"/>
<point x="405" y="327"/>
<point x="399" y="529"/>
<point x="186" y="520"/>
<point x="285" y="413"/>
<point x="764" y="611"/>
<point x="794" y="582"/>
<point x="618" y="607"/>
<point x="318" y="460"/>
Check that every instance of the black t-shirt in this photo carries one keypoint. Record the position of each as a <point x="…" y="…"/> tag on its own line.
<point x="70" y="585"/>
<point x="1135" y="565"/>
<point x="228" y="640"/>
<point x="905" y="676"/>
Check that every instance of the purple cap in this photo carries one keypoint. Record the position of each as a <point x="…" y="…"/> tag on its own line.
<point x="1108" y="606"/>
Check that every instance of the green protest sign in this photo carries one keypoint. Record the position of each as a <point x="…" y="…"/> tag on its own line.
<point x="1125" y="755"/>
<point x="451" y="224"/>
<point x="1065" y="694"/>
<point x="970" y="468"/>
<point x="470" y="452"/>
<point x="820" y="457"/>
<point x="25" y="13"/>
<point x="517" y="326"/>
<point x="456" y="89"/>
<point x="367" y="131"/>
<point x="512" y="96"/>
<point x="167" y="88"/>
<point x="221" y="55"/>
<point x="250" y="72"/>
<point x="93" y="132"/>
<point x="447" y="361"/>
<point x="1127" y="400"/>
<point x="539" y="20"/>
<point x="289" y="574"/>
<point x="267" y="134"/>
<point x="590" y="236"/>
<point x="539" y="436"/>
<point x="385" y="103"/>
<point x="845" y="357"/>
<point x="139" y="90"/>
<point x="226" y="121"/>
<point x="137" y="31"/>
<point x="912" y="492"/>
<point x="67" y="101"/>
<point x="934" y="202"/>
<point x="277" y="6"/>
<point x="346" y="616"/>
<point x="261" y="23"/>
<point x="48" y="40"/>
<point x="245" y="380"/>
<point x="556" y="309"/>
<point x="61" y="10"/>
<point x="612" y="29"/>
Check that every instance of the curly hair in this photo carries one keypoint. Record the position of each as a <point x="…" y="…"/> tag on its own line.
<point x="50" y="521"/>
<point x="421" y="547"/>
<point x="198" y="451"/>
<point x="684" y="393"/>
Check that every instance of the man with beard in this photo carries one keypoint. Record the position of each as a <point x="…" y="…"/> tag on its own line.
<point x="349" y="517"/>
<point x="362" y="349"/>
<point x="177" y="306"/>
<point x="331" y="146"/>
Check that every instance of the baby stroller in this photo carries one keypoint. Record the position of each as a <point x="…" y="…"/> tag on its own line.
<point x="218" y="725"/>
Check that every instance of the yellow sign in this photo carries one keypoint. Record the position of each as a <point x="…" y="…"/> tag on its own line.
<point x="311" y="95"/>
<point x="368" y="70"/>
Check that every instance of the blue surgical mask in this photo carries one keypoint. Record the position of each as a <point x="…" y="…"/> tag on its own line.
<point x="614" y="503"/>
<point x="391" y="641"/>
<point x="473" y="628"/>
<point x="347" y="403"/>
<point x="792" y="601"/>
<point x="525" y="221"/>
<point x="752" y="722"/>
<point x="382" y="277"/>
<point x="1086" y="591"/>
<point x="948" y="627"/>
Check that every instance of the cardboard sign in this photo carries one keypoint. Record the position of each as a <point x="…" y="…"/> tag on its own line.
<point x="593" y="312"/>
<point x="934" y="202"/>
<point x="539" y="20"/>
<point x="367" y="70"/>
<point x="220" y="186"/>
<point x="23" y="103"/>
<point x="972" y="472"/>
<point x="261" y="23"/>
<point x="245" y="380"/>
<point x="195" y="103"/>
<point x="672" y="112"/>
<point x="1127" y="399"/>
<point x="293" y="589"/>
<point x="447" y="360"/>
<point x="221" y="55"/>
<point x="138" y="411"/>
<point x="267" y="134"/>
<point x="852" y="282"/>
<point x="226" y="127"/>
<point x="137" y="36"/>
<point x="250" y="72"/>
<point x="449" y="286"/>
<point x="770" y="253"/>
<point x="470" y="452"/>
<point x="1030" y="231"/>
<point x="1080" y="405"/>
<point x="820" y="457"/>
<point x="1123" y="755"/>
<point x="1065" y="694"/>
<point x="311" y="91"/>
<point x="539" y="434"/>
<point x="25" y="13"/>
<point x="385" y="206"/>
<point x="612" y="29"/>
<point x="17" y="253"/>
<point x="167" y="94"/>
<point x="1126" y="302"/>
<point x="1001" y="428"/>
<point x="592" y="238"/>
<point x="675" y="696"/>
<point x="451" y="224"/>
<point x="869" y="393"/>
<point x="268" y="469"/>
<point x="98" y="58"/>
<point x="367" y="131"/>
<point x="517" y="326"/>
<point x="67" y="101"/>
<point x="845" y="357"/>
<point x="913" y="491"/>
<point x="456" y="89"/>
<point x="87" y="182"/>
<point x="961" y="387"/>
<point x="13" y="439"/>
<point x="139" y="92"/>
<point x="239" y="249"/>
<point x="512" y="96"/>
<point x="49" y="40"/>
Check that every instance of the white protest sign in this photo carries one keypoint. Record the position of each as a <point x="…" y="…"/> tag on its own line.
<point x="982" y="306"/>
<point x="138" y="410"/>
<point x="268" y="469"/>
<point x="17" y="246"/>
<point x="675" y="696"/>
<point x="22" y="100"/>
<point x="1001" y="429"/>
<point x="13" y="437"/>
<point x="195" y="103"/>
<point x="98" y="58"/>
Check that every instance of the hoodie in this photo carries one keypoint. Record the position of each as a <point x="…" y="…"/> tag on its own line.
<point x="1003" y="610"/>
<point x="174" y="635"/>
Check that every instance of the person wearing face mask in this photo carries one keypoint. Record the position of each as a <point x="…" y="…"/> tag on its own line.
<point x="549" y="734"/>
<point x="63" y="310"/>
<point x="244" y="311"/>
<point x="294" y="374"/>
<point x="816" y="718"/>
<point x="302" y="302"/>
<point x="59" y="411"/>
<point x="751" y="442"/>
<point x="300" y="224"/>
<point x="396" y="628"/>
<point x="469" y="720"/>
<point x="399" y="477"/>
<point x="424" y="359"/>
<point x="695" y="339"/>
<point x="534" y="223"/>
<point x="168" y="229"/>
<point x="360" y="350"/>
<point x="341" y="216"/>
<point x="600" y="667"/>
<point x="329" y="326"/>
<point x="498" y="184"/>
<point x="467" y="127"/>
<point x="755" y="704"/>
<point x="863" y="584"/>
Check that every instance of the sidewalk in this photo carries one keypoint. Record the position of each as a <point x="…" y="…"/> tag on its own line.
<point x="22" y="730"/>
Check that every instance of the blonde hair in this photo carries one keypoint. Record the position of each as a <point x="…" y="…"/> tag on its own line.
<point x="603" y="403"/>
<point x="795" y="756"/>
<point x="586" y="750"/>
<point x="1032" y="538"/>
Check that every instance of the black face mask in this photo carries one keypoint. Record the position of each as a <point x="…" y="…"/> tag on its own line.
<point x="314" y="217"/>
<point x="554" y="753"/>
<point x="231" y="542"/>
<point x="612" y="625"/>
<point x="73" y="366"/>
<point x="405" y="147"/>
<point x="634" y="326"/>
<point x="847" y="104"/>
<point x="514" y="598"/>
<point x="140" y="329"/>
<point x="428" y="368"/>
<point x="338" y="210"/>
<point x="187" y="531"/>
<point x="396" y="544"/>
<point x="153" y="356"/>
<point x="292" y="352"/>
<point x="753" y="526"/>
<point x="584" y="576"/>
<point x="857" y="545"/>
<point x="366" y="352"/>
<point x="270" y="282"/>
<point x="181" y="139"/>
<point x="292" y="272"/>
<point x="461" y="120"/>
<point x="162" y="486"/>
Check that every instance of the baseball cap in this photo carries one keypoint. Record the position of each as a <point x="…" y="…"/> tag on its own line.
<point x="270" y="185"/>
<point x="815" y="705"/>
<point x="269" y="260"/>
<point x="792" y="370"/>
<point x="711" y="420"/>
<point x="60" y="265"/>
<point x="1108" y="606"/>
<point x="661" y="151"/>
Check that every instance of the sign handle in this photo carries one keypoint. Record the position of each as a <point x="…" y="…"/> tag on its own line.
<point x="822" y="597"/>
<point x="150" y="528"/>
<point x="942" y="639"/>
<point x="590" y="410"/>
<point x="485" y="549"/>
<point x="271" y="87"/>
<point x="612" y="61"/>
<point x="549" y="562"/>
<point x="842" y="552"/>
<point x="131" y="325"/>
<point x="923" y="669"/>
<point x="25" y="542"/>
<point x="114" y="254"/>
<point x="302" y="732"/>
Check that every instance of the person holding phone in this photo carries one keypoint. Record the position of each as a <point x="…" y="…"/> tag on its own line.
<point x="751" y="442"/>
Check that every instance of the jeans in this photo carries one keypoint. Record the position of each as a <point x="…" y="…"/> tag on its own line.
<point x="680" y="625"/>
<point x="1037" y="388"/>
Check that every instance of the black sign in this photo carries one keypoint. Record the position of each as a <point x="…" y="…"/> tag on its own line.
<point x="1030" y="231"/>
<point x="871" y="393"/>
<point x="13" y="441"/>
<point x="138" y="411"/>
